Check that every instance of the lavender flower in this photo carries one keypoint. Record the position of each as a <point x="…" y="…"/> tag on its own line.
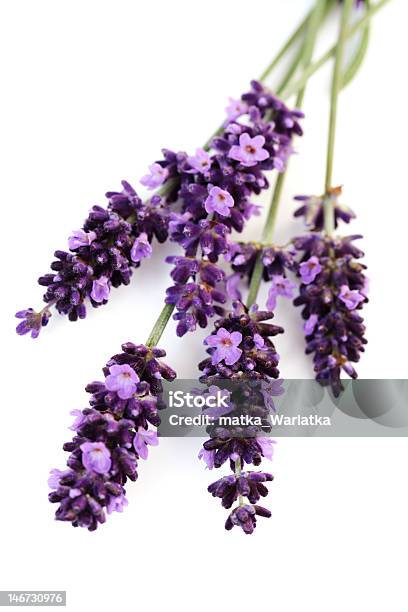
<point x="103" y="254"/>
<point x="226" y="346"/>
<point x="332" y="292"/>
<point x="157" y="176"/>
<point x="32" y="321"/>
<point x="241" y="351"/>
<point x="219" y="201"/>
<point x="214" y="189"/>
<point x="250" y="151"/>
<point x="312" y="209"/>
<point x="280" y="286"/>
<point x="110" y="437"/>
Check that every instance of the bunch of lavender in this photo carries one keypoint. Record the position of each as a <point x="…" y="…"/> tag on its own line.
<point x="241" y="352"/>
<point x="110" y="437"/>
<point x="215" y="191"/>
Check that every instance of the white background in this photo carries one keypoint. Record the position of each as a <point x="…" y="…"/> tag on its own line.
<point x="90" y="93"/>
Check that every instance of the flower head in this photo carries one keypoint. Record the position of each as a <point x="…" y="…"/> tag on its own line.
<point x="235" y="109"/>
<point x="100" y="289"/>
<point x="201" y="161"/>
<point x="309" y="270"/>
<point x="32" y="321"/>
<point x="158" y="174"/>
<point x="250" y="151"/>
<point x="143" y="438"/>
<point x="122" y="379"/>
<point x="219" y="201"/>
<point x="80" y="238"/>
<point x="280" y="286"/>
<point x="141" y="248"/>
<point x="226" y="346"/>
<point x="351" y="298"/>
<point x="96" y="457"/>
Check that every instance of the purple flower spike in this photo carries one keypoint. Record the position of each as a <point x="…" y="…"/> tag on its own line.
<point x="219" y="201"/>
<point x="110" y="436"/>
<point x="122" y="379"/>
<point x="96" y="457"/>
<point x="226" y="346"/>
<point x="331" y="304"/>
<point x="351" y="298"/>
<point x="235" y="109"/>
<point x="250" y="150"/>
<point x="280" y="286"/>
<point x="143" y="438"/>
<point x="201" y="161"/>
<point x="141" y="248"/>
<point x="80" y="238"/>
<point x="100" y="289"/>
<point x="158" y="174"/>
<point x="309" y="270"/>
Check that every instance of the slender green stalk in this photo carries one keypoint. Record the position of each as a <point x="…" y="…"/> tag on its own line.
<point x="315" y="21"/>
<point x="287" y="45"/>
<point x="238" y="472"/>
<point x="359" y="55"/>
<point x="160" y="325"/>
<point x="332" y="51"/>
<point x="335" y="89"/>
<point x="291" y="40"/>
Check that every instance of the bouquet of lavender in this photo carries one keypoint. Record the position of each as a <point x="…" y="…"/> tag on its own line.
<point x="201" y="202"/>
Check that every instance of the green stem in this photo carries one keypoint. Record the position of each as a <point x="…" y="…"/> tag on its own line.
<point x="315" y="21"/>
<point x="292" y="39"/>
<point x="238" y="472"/>
<point x="288" y="44"/>
<point x="336" y="86"/>
<point x="160" y="325"/>
<point x="332" y="51"/>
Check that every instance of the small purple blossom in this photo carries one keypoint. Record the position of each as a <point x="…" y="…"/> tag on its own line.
<point x="100" y="289"/>
<point x="143" y="438"/>
<point x="267" y="446"/>
<point x="122" y="379"/>
<point x="80" y="238"/>
<point x="219" y="201"/>
<point x="32" y="321"/>
<point x="208" y="457"/>
<point x="201" y="161"/>
<point x="309" y="270"/>
<point x="96" y="457"/>
<point x="141" y="248"/>
<point x="280" y="286"/>
<point x="351" y="298"/>
<point x="116" y="504"/>
<point x="226" y="346"/>
<point x="235" y="109"/>
<point x="250" y="151"/>
<point x="158" y="174"/>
